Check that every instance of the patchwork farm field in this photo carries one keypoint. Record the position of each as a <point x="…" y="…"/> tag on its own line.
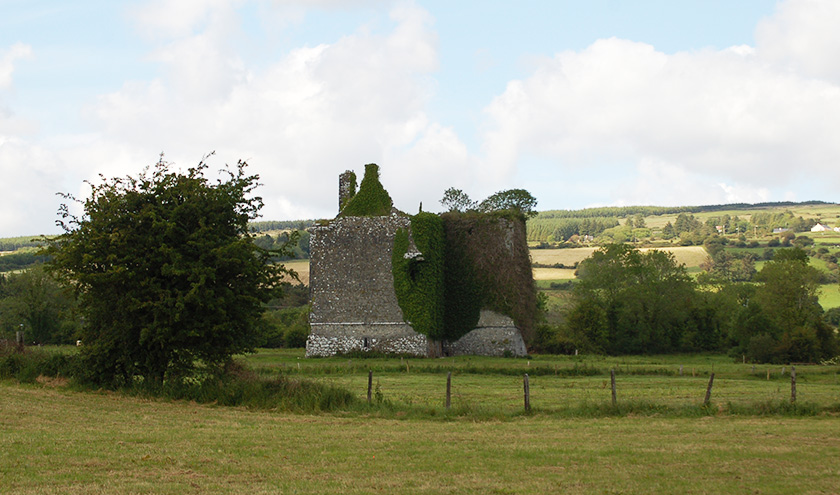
<point x="690" y="256"/>
<point x="53" y="440"/>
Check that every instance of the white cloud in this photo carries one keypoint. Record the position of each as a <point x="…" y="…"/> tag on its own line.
<point x="733" y="116"/>
<point x="300" y="120"/>
<point x="802" y="36"/>
<point x="29" y="187"/>
<point x="168" y="19"/>
<point x="7" y="59"/>
<point x="672" y="184"/>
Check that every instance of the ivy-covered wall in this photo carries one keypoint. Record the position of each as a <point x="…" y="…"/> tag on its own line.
<point x="419" y="280"/>
<point x="384" y="280"/>
<point x="372" y="200"/>
<point x="487" y="266"/>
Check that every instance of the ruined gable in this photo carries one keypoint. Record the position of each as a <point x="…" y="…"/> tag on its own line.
<point x="384" y="281"/>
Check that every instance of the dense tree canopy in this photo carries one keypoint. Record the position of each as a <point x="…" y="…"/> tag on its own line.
<point x="632" y="302"/>
<point x="166" y="271"/>
<point x="518" y="200"/>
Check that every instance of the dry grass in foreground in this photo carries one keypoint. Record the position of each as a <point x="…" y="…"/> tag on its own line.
<point x="54" y="441"/>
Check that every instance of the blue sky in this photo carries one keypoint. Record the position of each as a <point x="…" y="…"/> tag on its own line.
<point x="602" y="102"/>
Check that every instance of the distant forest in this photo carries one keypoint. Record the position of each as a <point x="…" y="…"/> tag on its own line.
<point x="269" y="225"/>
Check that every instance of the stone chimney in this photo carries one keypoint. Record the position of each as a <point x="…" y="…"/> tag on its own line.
<point x="346" y="188"/>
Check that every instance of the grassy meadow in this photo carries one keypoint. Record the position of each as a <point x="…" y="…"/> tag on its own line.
<point x="56" y="440"/>
<point x="561" y="385"/>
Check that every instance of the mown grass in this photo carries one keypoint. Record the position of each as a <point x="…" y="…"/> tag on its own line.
<point x="829" y="296"/>
<point x="568" y="386"/>
<point x="55" y="441"/>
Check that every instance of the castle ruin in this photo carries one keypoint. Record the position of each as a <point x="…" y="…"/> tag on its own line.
<point x="423" y="285"/>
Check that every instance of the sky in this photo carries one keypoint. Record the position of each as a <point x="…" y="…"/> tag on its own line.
<point x="582" y="103"/>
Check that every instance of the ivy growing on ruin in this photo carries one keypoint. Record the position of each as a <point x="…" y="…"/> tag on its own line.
<point x="372" y="200"/>
<point x="487" y="267"/>
<point x="418" y="280"/>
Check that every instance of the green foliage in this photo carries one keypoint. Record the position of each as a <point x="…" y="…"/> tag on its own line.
<point x="457" y="200"/>
<point x="632" y="302"/>
<point x="294" y="245"/>
<point x="285" y="327"/>
<point x="788" y="290"/>
<point x="46" y="310"/>
<point x="726" y="266"/>
<point x="419" y="274"/>
<point x="487" y="267"/>
<point x="562" y="229"/>
<point x="372" y="200"/>
<point x="241" y="387"/>
<point x="20" y="242"/>
<point x="166" y="272"/>
<point x="27" y="364"/>
<point x="268" y="225"/>
<point x="518" y="200"/>
<point x="20" y="259"/>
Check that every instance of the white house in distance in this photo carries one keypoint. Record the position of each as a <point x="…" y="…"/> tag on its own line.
<point x="820" y="228"/>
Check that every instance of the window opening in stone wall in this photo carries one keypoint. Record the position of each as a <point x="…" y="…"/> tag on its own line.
<point x="365" y="342"/>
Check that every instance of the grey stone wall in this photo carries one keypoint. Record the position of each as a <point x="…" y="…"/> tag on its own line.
<point x="332" y="339"/>
<point x="495" y="335"/>
<point x="354" y="306"/>
<point x="345" y="188"/>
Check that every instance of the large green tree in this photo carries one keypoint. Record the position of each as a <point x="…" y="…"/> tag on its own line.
<point x="628" y="302"/>
<point x="166" y="271"/>
<point x="788" y="294"/>
<point x="518" y="200"/>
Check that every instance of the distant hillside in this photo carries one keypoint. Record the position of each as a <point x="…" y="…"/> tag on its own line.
<point x="625" y="211"/>
<point x="664" y="223"/>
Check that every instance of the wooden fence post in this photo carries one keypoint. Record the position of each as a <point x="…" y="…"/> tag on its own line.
<point x="448" y="389"/>
<point x="612" y="382"/>
<point x="370" y="384"/>
<point x="527" y="393"/>
<point x="792" y="384"/>
<point x="709" y="390"/>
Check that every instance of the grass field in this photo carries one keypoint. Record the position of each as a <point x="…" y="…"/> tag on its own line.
<point x="301" y="267"/>
<point x="561" y="384"/>
<point x="53" y="440"/>
<point x="58" y="442"/>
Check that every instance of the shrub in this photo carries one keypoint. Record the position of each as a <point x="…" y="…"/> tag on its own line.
<point x="799" y="346"/>
<point x="762" y="349"/>
<point x="25" y="365"/>
<point x="286" y="327"/>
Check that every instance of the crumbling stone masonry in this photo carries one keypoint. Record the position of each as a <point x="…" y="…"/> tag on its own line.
<point x="354" y="305"/>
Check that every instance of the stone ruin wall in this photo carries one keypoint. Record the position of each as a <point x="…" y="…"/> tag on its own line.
<point x="495" y="335"/>
<point x="354" y="306"/>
